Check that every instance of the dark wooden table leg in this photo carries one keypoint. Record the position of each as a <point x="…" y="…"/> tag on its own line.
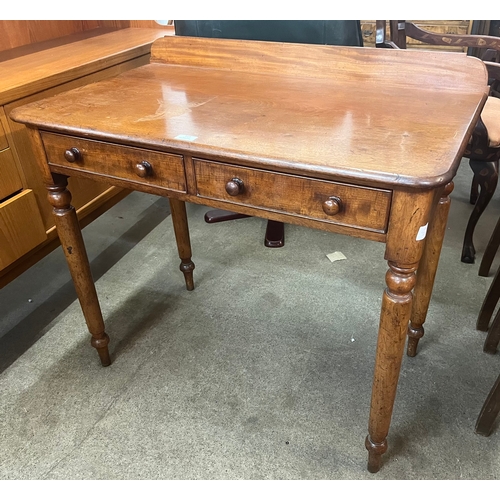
<point x="410" y="215"/>
<point x="72" y="243"/>
<point x="181" y="230"/>
<point x="427" y="270"/>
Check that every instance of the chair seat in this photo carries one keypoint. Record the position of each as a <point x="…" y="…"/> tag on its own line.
<point x="491" y="119"/>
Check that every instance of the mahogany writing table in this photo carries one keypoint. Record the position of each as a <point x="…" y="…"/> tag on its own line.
<point x="357" y="141"/>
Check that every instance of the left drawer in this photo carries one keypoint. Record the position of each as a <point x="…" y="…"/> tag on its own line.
<point x="142" y="166"/>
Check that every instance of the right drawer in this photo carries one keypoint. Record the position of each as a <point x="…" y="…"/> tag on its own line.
<point x="332" y="202"/>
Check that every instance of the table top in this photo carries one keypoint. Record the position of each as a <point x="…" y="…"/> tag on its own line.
<point x="377" y="116"/>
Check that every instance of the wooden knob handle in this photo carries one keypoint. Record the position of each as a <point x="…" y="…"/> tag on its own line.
<point x="332" y="206"/>
<point x="234" y="187"/>
<point x="143" y="169"/>
<point x="72" y="155"/>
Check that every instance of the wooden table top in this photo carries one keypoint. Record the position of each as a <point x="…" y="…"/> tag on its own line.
<point x="371" y="116"/>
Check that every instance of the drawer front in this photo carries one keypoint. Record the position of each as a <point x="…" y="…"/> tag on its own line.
<point x="21" y="227"/>
<point x="10" y="181"/>
<point x="140" y="165"/>
<point x="331" y="202"/>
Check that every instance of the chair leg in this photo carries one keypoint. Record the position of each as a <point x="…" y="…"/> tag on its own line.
<point x="275" y="234"/>
<point x="489" y="304"/>
<point x="490" y="252"/>
<point x="213" y="216"/>
<point x="486" y="173"/>
<point x="474" y="190"/>
<point x="275" y="231"/>
<point x="489" y="411"/>
<point x="493" y="337"/>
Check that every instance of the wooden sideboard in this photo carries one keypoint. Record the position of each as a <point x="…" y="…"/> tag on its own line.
<point x="30" y="73"/>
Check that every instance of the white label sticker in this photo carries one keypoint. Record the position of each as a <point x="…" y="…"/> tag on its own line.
<point x="422" y="232"/>
<point x="336" y="256"/>
<point x="182" y="137"/>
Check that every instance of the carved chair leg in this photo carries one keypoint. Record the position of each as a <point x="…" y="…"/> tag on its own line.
<point x="486" y="173"/>
<point x="493" y="337"/>
<point x="73" y="246"/>
<point x="181" y="230"/>
<point x="489" y="411"/>
<point x="490" y="252"/>
<point x="489" y="303"/>
<point x="427" y="270"/>
<point x="396" y="308"/>
<point x="474" y="190"/>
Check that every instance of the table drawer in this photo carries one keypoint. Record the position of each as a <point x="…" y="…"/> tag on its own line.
<point x="140" y="165"/>
<point x="332" y="202"/>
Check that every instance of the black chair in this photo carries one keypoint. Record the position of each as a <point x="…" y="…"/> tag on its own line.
<point x="316" y="32"/>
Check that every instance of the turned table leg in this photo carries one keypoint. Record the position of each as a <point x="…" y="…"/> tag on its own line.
<point x="181" y="230"/>
<point x="70" y="235"/>
<point x="408" y="221"/>
<point x="396" y="307"/>
<point x="427" y="270"/>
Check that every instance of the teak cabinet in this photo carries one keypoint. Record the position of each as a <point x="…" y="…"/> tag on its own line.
<point x="27" y="231"/>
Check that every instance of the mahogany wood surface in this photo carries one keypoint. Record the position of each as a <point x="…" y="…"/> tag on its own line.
<point x="335" y="138"/>
<point x="29" y="73"/>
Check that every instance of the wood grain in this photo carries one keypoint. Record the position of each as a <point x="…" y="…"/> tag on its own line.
<point x="24" y="32"/>
<point x="354" y="64"/>
<point x="10" y="181"/>
<point x="83" y="190"/>
<point x="230" y="115"/>
<point x="21" y="227"/>
<point x="360" y="207"/>
<point x="167" y="170"/>
<point x="31" y="73"/>
<point x="3" y="136"/>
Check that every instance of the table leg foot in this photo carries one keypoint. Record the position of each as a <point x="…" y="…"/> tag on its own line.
<point x="187" y="267"/>
<point x="375" y="452"/>
<point x="414" y="335"/>
<point x="100" y="344"/>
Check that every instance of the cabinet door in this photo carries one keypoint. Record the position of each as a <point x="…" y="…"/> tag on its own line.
<point x="10" y="180"/>
<point x="21" y="227"/>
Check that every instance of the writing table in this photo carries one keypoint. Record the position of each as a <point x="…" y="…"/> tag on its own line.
<point x="358" y="141"/>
